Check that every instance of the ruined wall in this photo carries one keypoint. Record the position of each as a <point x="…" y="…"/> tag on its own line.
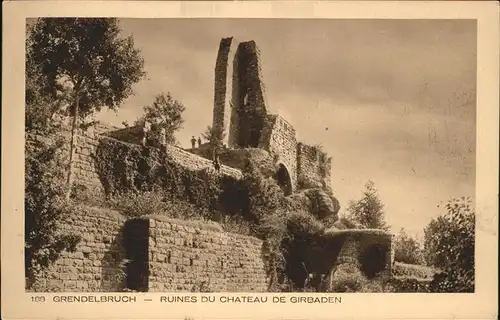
<point x="367" y="249"/>
<point x="95" y="264"/>
<point x="239" y="94"/>
<point x="224" y="87"/>
<point x="278" y="137"/>
<point x="86" y="141"/>
<point x="180" y="255"/>
<point x="194" y="162"/>
<point x="85" y="173"/>
<point x="183" y="257"/>
<point x="313" y="167"/>
<point x="251" y="102"/>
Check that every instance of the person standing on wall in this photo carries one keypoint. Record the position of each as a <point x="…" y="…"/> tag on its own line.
<point x="216" y="159"/>
<point x="145" y="130"/>
<point x="193" y="142"/>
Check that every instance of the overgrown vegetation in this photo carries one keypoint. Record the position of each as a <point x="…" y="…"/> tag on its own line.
<point x="81" y="73"/>
<point x="449" y="245"/>
<point x="165" y="117"/>
<point x="407" y="249"/>
<point x="126" y="168"/>
<point x="44" y="207"/>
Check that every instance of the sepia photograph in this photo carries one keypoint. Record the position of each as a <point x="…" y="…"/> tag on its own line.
<point x="213" y="155"/>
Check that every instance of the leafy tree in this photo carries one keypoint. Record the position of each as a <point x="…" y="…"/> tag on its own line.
<point x="41" y="109"/>
<point x="449" y="244"/>
<point x="214" y="136"/>
<point x="163" y="113"/>
<point x="87" y="60"/>
<point x="44" y="203"/>
<point x="407" y="249"/>
<point x="369" y="210"/>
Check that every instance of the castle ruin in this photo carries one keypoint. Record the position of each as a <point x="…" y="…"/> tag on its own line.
<point x="173" y="254"/>
<point x="241" y="111"/>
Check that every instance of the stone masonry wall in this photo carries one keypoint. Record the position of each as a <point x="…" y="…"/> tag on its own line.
<point x="313" y="166"/>
<point x="182" y="257"/>
<point x="85" y="173"/>
<point x="86" y="141"/>
<point x="194" y="162"/>
<point x="239" y="94"/>
<point x="279" y="138"/>
<point x="251" y="102"/>
<point x="223" y="87"/>
<point x="95" y="265"/>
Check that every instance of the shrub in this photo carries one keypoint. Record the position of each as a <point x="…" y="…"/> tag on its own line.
<point x="415" y="271"/>
<point x="449" y="245"/>
<point x="150" y="203"/>
<point x="408" y="284"/>
<point x="407" y="249"/>
<point x="125" y="168"/>
<point x="347" y="278"/>
<point x="90" y="196"/>
<point x="44" y="204"/>
<point x="264" y="195"/>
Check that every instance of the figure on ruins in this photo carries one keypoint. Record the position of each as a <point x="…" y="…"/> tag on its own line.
<point x="216" y="160"/>
<point x="145" y="129"/>
<point x="199" y="142"/>
<point x="193" y="142"/>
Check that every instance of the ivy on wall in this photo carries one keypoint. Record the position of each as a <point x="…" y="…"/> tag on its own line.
<point x="125" y="168"/>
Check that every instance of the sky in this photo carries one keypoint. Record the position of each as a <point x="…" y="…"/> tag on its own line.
<point x="392" y="101"/>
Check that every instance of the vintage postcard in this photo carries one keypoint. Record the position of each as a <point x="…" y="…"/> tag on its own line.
<point x="256" y="160"/>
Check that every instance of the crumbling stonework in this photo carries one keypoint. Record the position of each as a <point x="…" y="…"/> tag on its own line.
<point x="83" y="166"/>
<point x="239" y="94"/>
<point x="225" y="88"/>
<point x="363" y="251"/>
<point x="279" y="139"/>
<point x="240" y="108"/>
<point x="180" y="256"/>
<point x="95" y="265"/>
<point x="313" y="167"/>
<point x="184" y="257"/>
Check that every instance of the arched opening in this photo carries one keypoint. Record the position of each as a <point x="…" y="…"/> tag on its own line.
<point x="284" y="180"/>
<point x="373" y="260"/>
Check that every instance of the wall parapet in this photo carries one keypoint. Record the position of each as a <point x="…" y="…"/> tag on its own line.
<point x="181" y="255"/>
<point x="83" y="167"/>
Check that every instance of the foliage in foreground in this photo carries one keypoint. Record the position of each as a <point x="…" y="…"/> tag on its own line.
<point x="44" y="204"/>
<point x="449" y="245"/>
<point x="78" y="72"/>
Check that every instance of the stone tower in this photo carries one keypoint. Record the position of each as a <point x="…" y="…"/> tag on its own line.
<point x="239" y="94"/>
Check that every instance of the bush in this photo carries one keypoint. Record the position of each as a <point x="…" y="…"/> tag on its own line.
<point x="151" y="203"/>
<point x="407" y="249"/>
<point x="126" y="168"/>
<point x="449" y="245"/>
<point x="44" y="204"/>
<point x="408" y="284"/>
<point x="347" y="278"/>
<point x="413" y="271"/>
